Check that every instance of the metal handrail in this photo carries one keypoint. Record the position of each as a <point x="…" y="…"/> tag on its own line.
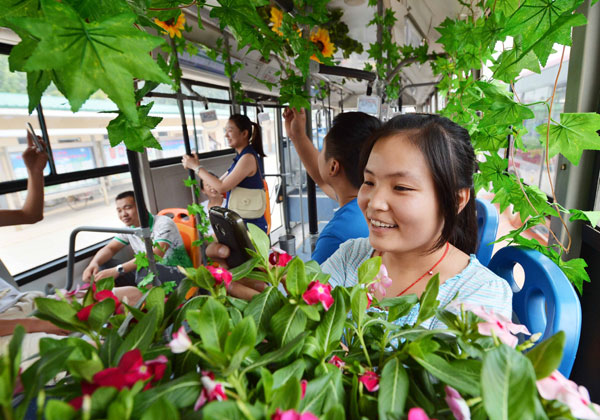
<point x="71" y="256"/>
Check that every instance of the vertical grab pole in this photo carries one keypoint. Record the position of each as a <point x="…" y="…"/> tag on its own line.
<point x="134" y="169"/>
<point x="186" y="137"/>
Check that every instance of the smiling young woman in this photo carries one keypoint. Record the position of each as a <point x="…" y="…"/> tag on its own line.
<point x="417" y="197"/>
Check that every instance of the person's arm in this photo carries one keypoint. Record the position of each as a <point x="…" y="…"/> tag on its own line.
<point x="129" y="265"/>
<point x="245" y="167"/>
<point x="33" y="209"/>
<point x="102" y="256"/>
<point x="295" y="126"/>
<point x="31" y="325"/>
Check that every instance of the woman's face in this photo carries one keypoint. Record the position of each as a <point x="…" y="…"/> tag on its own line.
<point x="234" y="136"/>
<point x="398" y="198"/>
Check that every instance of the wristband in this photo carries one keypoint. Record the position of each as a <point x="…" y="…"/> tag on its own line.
<point x="196" y="168"/>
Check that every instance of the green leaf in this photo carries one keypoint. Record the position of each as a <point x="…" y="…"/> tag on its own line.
<point x="508" y="385"/>
<point x="211" y="323"/>
<point x="279" y="354"/>
<point x="296" y="281"/>
<point x="11" y="8"/>
<point x="105" y="55"/>
<point x="368" y="270"/>
<point x="290" y="372"/>
<point x="336" y="412"/>
<point x="286" y="397"/>
<point x="156" y="299"/>
<point x="181" y="392"/>
<point x="358" y="305"/>
<point x="263" y="306"/>
<point x="574" y="134"/>
<point x="242" y="270"/>
<point x="242" y="336"/>
<point x="14" y="349"/>
<point x="59" y="313"/>
<point x="393" y="390"/>
<point x="329" y="332"/>
<point x="591" y="216"/>
<point x="510" y="64"/>
<point x="260" y="240"/>
<point x="311" y="312"/>
<point x="446" y="372"/>
<point x="398" y="306"/>
<point x="85" y="369"/>
<point x="429" y="302"/>
<point x="288" y="323"/>
<point x="160" y="410"/>
<point x="100" y="313"/>
<point x="136" y="135"/>
<point x="547" y="355"/>
<point x="59" y="410"/>
<point x="323" y="393"/>
<point x="140" y="336"/>
<point x="499" y="108"/>
<point x="575" y="271"/>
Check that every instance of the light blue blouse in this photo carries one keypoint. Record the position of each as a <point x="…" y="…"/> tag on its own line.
<point x="475" y="285"/>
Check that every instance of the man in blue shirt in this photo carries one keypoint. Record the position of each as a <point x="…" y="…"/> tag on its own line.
<point x="334" y="170"/>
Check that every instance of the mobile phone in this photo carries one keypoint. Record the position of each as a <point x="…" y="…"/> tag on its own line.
<point x="38" y="145"/>
<point x="231" y="230"/>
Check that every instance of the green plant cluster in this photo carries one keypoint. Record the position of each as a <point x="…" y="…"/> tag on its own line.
<point x="262" y="352"/>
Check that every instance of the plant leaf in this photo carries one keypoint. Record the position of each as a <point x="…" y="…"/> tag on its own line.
<point x="136" y="135"/>
<point x="547" y="355"/>
<point x="140" y="336"/>
<point x="211" y="323"/>
<point x="288" y="323"/>
<point x="429" y="302"/>
<point x="508" y="385"/>
<point x="262" y="307"/>
<point x="393" y="390"/>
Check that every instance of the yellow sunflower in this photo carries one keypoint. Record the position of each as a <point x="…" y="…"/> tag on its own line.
<point x="277" y="19"/>
<point x="323" y="43"/>
<point x="172" y="30"/>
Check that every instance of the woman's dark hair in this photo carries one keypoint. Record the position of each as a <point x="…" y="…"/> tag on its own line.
<point x="449" y="154"/>
<point x="242" y="122"/>
<point x="349" y="131"/>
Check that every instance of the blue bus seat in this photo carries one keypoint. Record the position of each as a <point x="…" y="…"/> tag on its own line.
<point x="487" y="228"/>
<point x="547" y="302"/>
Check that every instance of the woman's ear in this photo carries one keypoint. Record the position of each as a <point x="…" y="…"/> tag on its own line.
<point x="464" y="194"/>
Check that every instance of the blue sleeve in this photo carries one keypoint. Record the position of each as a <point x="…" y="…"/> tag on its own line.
<point x="325" y="247"/>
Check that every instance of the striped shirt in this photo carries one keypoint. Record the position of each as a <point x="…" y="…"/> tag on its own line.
<point x="475" y="285"/>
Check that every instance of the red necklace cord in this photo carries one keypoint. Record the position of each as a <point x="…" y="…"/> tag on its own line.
<point x="430" y="271"/>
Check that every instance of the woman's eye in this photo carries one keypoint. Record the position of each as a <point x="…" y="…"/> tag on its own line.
<point x="365" y="182"/>
<point x="401" y="188"/>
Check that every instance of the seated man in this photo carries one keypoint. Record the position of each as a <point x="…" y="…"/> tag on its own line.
<point x="167" y="242"/>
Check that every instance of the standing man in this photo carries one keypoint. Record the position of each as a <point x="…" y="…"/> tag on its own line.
<point x="168" y="245"/>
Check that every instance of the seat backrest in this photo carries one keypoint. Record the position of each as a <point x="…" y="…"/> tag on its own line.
<point x="487" y="228"/>
<point x="547" y="302"/>
<point x="189" y="234"/>
<point x="178" y="215"/>
<point x="268" y="209"/>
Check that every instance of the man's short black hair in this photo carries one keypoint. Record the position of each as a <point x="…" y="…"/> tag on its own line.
<point x="125" y="194"/>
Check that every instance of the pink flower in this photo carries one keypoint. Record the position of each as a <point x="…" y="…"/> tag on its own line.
<point x="502" y="327"/>
<point x="457" y="404"/>
<point x="180" y="342"/>
<point x="292" y="415"/>
<point x="211" y="390"/>
<point x="417" y="413"/>
<point x="337" y="362"/>
<point x="370" y="380"/>
<point x="221" y="275"/>
<point x="279" y="257"/>
<point x="318" y="292"/>
<point x="577" y="398"/>
<point x="381" y="282"/>
<point x="303" y="384"/>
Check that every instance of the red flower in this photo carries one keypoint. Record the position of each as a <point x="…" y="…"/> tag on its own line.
<point x="84" y="313"/>
<point x="303" y="384"/>
<point x="279" y="257"/>
<point x="337" y="362"/>
<point x="370" y="380"/>
<point x="417" y="413"/>
<point x="220" y="275"/>
<point x="211" y="390"/>
<point x="131" y="369"/>
<point x="292" y="415"/>
<point x="369" y="300"/>
<point x="318" y="292"/>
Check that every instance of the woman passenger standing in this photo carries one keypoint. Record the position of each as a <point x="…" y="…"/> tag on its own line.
<point x="245" y="137"/>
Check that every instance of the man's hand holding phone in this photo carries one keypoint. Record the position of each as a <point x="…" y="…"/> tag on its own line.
<point x="242" y="289"/>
